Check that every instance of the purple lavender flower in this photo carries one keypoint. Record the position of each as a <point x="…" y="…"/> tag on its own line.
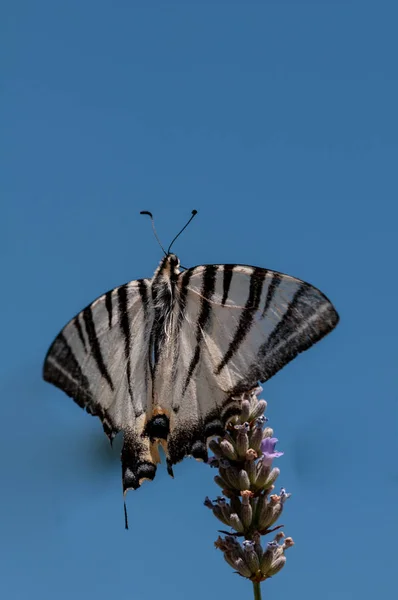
<point x="268" y="450"/>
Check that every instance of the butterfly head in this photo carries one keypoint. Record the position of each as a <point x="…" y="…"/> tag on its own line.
<point x="173" y="262"/>
<point x="167" y="270"/>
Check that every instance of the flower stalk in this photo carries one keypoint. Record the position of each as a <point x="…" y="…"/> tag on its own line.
<point x="256" y="591"/>
<point x="248" y="504"/>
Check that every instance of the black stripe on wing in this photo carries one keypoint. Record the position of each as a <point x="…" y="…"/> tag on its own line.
<point x="182" y="300"/>
<point x="246" y="319"/>
<point x="109" y="307"/>
<point x="276" y="279"/>
<point x="95" y="345"/>
<point x="208" y="287"/>
<point x="144" y="289"/>
<point x="62" y="369"/>
<point x="79" y="330"/>
<point x="122" y="295"/>
<point x="227" y="278"/>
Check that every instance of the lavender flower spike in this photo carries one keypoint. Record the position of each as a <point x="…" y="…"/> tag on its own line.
<point x="268" y="449"/>
<point x="244" y="453"/>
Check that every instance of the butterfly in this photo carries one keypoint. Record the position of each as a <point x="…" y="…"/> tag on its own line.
<point x="166" y="360"/>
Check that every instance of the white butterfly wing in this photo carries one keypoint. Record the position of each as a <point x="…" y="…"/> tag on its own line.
<point x="98" y="360"/>
<point x="260" y="320"/>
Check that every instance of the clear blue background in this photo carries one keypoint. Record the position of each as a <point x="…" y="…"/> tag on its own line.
<point x="277" y="121"/>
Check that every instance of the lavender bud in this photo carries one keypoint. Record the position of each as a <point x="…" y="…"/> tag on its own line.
<point x="244" y="481"/>
<point x="250" y="467"/>
<point x="247" y="511"/>
<point x="236" y="523"/>
<point x="264" y="516"/>
<point x="256" y="437"/>
<point x="268" y="432"/>
<point x="242" y="568"/>
<point x="245" y="411"/>
<point x="234" y="554"/>
<point x="230" y="559"/>
<point x="261" y="502"/>
<point x="263" y="472"/>
<point x="220" y="482"/>
<point x="276" y="566"/>
<point x="228" y="450"/>
<point x="254" y="502"/>
<point x="236" y="505"/>
<point x="215" y="448"/>
<point x="278" y="537"/>
<point x="266" y="560"/>
<point x="272" y="477"/>
<point x="242" y="444"/>
<point x="258" y="409"/>
<point x="217" y="511"/>
<point x="232" y="476"/>
<point x="251" y="556"/>
<point x="274" y="515"/>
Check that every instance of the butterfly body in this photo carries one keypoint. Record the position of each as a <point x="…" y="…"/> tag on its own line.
<point x="165" y="360"/>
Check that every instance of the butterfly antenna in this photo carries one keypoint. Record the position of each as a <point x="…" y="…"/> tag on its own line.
<point x="146" y="212"/>
<point x="126" y="521"/>
<point x="194" y="212"/>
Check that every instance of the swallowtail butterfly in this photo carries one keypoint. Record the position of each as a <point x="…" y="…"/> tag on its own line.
<point x="167" y="359"/>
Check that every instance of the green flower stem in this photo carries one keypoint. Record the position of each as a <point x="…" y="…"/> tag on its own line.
<point x="257" y="591"/>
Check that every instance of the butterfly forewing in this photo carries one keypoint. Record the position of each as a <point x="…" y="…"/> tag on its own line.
<point x="258" y="321"/>
<point x="98" y="357"/>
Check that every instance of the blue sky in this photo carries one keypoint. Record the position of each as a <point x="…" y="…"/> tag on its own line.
<point x="277" y="122"/>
